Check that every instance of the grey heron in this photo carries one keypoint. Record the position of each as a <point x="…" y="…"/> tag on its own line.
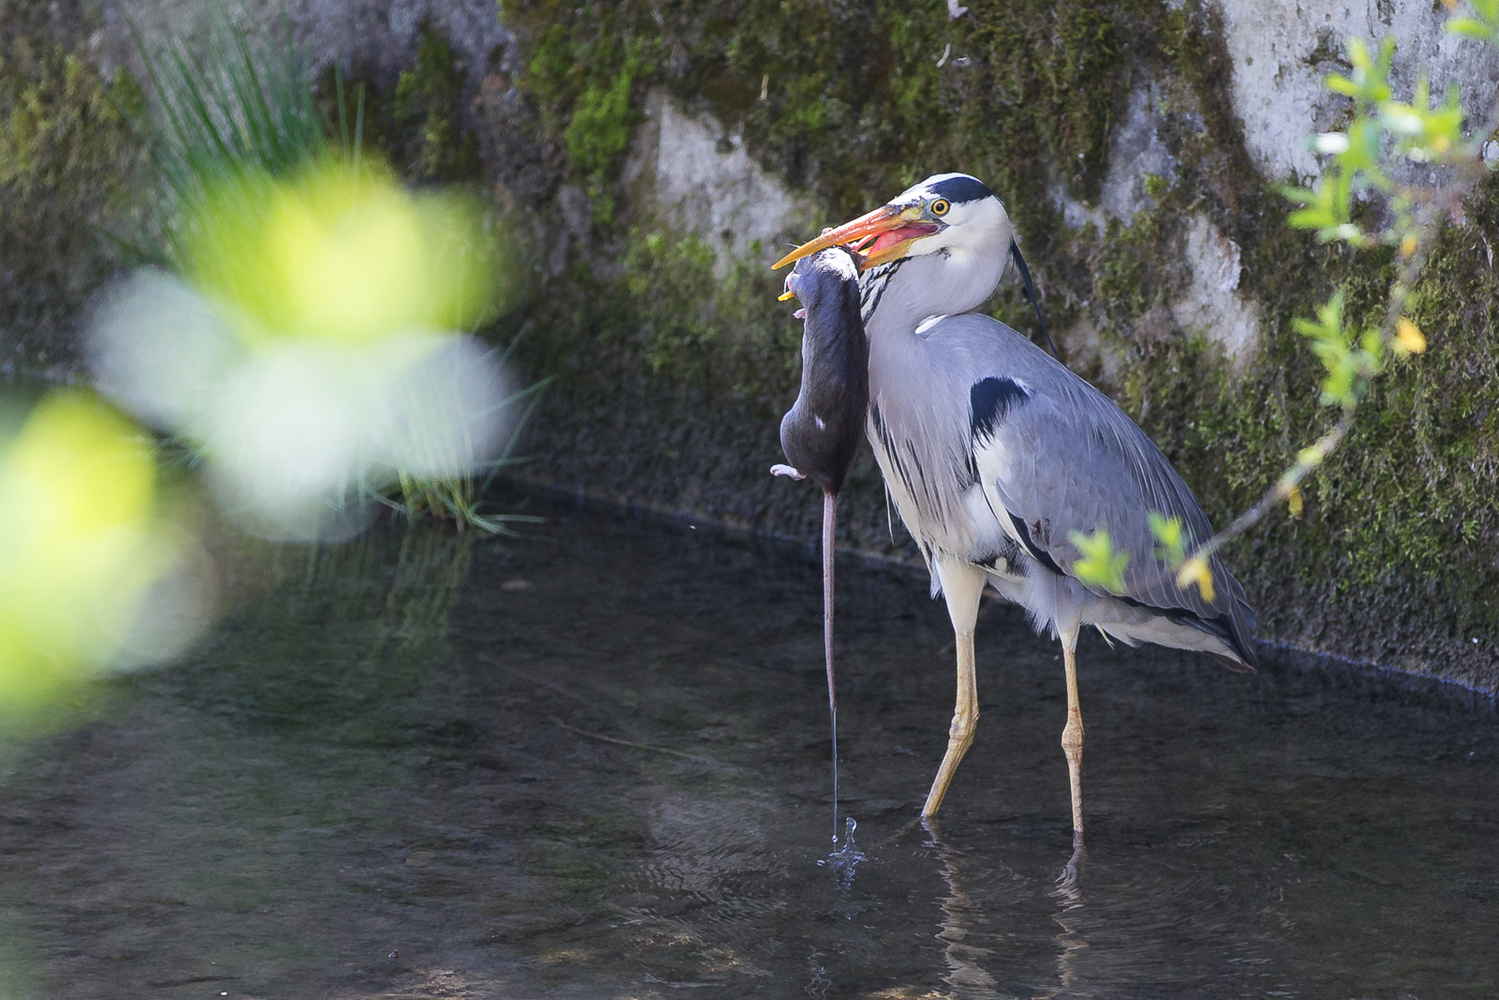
<point x="820" y="434"/>
<point x="995" y="454"/>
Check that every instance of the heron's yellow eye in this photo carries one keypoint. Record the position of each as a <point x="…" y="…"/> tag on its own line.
<point x="940" y="206"/>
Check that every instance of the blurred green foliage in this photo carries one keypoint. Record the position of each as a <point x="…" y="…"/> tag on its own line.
<point x="272" y="207"/>
<point x="241" y="105"/>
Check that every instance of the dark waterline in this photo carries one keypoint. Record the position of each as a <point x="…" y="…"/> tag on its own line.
<point x="594" y="763"/>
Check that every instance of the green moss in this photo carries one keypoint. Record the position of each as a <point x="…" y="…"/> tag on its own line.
<point x="855" y="102"/>
<point x="420" y="123"/>
<point x="602" y="119"/>
<point x="1131" y="273"/>
<point x="427" y="107"/>
<point x="66" y="158"/>
<point x="677" y="327"/>
<point x="1397" y="554"/>
<point x="686" y="323"/>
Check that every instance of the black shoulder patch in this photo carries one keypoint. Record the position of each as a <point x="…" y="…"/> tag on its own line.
<point x="1041" y="555"/>
<point x="991" y="399"/>
<point x="961" y="190"/>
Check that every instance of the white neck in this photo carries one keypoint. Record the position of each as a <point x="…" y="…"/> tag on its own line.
<point x="955" y="271"/>
<point x="954" y="280"/>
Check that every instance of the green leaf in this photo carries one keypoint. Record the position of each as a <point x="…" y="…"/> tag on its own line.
<point x="1100" y="565"/>
<point x="1472" y="27"/>
<point x="1168" y="531"/>
<point x="1315" y="217"/>
<point x="1349" y="368"/>
<point x="1304" y="196"/>
<point x="1326" y="204"/>
<point x="1369" y="82"/>
<point x="1339" y="84"/>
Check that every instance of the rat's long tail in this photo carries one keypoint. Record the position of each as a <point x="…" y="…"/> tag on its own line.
<point x="829" y="535"/>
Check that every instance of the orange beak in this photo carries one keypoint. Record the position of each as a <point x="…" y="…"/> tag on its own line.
<point x="882" y="235"/>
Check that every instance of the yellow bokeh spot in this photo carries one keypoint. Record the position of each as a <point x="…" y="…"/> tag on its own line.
<point x="1408" y="245"/>
<point x="1293" y="500"/>
<point x="78" y="547"/>
<point x="1408" y="337"/>
<point x="343" y="253"/>
<point x="1195" y="570"/>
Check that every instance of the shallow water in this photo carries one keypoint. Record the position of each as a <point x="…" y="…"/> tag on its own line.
<point x="593" y="762"/>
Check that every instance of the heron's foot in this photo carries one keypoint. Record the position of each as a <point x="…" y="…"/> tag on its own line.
<point x="786" y="470"/>
<point x="1066" y="887"/>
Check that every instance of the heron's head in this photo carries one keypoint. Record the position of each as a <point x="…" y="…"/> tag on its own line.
<point x="952" y="214"/>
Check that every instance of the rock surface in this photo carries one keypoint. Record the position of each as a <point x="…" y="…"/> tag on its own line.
<point x="692" y="175"/>
<point x="1281" y="51"/>
<point x="1138" y="144"/>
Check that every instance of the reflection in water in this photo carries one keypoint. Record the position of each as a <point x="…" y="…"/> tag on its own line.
<point x="1067" y="880"/>
<point x="818" y="983"/>
<point x="409" y="605"/>
<point x="1070" y="896"/>
<point x="960" y="915"/>
<point x="407" y="750"/>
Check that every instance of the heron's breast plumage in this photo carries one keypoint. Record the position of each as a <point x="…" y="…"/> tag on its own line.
<point x="922" y="441"/>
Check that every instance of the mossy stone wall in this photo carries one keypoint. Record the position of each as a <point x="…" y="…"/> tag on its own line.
<point x="67" y="157"/>
<point x="673" y="364"/>
<point x="671" y="380"/>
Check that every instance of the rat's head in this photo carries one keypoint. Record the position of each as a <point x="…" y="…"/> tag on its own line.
<point x="818" y="278"/>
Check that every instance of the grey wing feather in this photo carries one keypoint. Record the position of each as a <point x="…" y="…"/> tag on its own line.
<point x="1067" y="459"/>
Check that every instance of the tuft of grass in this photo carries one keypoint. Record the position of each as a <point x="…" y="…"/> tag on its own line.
<point x="245" y="104"/>
<point x="460" y="499"/>
<point x="242" y="103"/>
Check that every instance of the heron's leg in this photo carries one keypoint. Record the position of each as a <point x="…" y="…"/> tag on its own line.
<point x="962" y="585"/>
<point x="1072" y="733"/>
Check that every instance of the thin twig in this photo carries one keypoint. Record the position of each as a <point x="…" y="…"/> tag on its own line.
<point x="1443" y="201"/>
